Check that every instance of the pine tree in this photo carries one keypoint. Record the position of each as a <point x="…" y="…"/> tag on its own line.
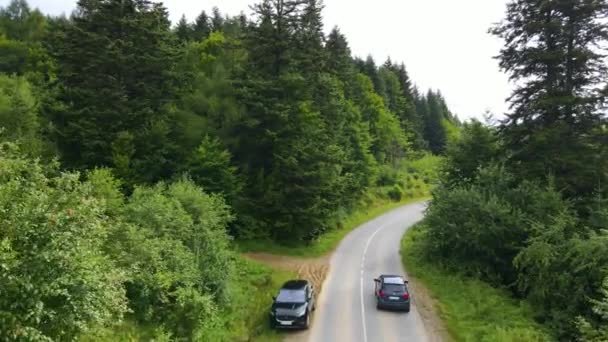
<point x="411" y="115"/>
<point x="389" y="142"/>
<point x="310" y="55"/>
<point x="272" y="40"/>
<point x="217" y="20"/>
<point x="184" y="30"/>
<point x="202" y="27"/>
<point x="370" y="69"/>
<point x="434" y="131"/>
<point x="115" y="73"/>
<point x="339" y="60"/>
<point x="554" y="50"/>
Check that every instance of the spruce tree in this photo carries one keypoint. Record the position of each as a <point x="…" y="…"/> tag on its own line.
<point x="434" y="132"/>
<point x="370" y="69"/>
<point x="555" y="50"/>
<point x="202" y="27"/>
<point x="183" y="30"/>
<point x="115" y="68"/>
<point x="310" y="55"/>
<point x="339" y="60"/>
<point x="217" y="20"/>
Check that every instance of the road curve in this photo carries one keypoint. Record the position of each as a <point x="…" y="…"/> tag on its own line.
<point x="346" y="308"/>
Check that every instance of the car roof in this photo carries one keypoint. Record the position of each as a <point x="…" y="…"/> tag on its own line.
<point x="294" y="284"/>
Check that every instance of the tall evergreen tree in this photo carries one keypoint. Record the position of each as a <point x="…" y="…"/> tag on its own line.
<point x="434" y="131"/>
<point x="370" y="69"/>
<point x="310" y="54"/>
<point x="183" y="30"/>
<point x="217" y="20"/>
<point x="339" y="60"/>
<point x="411" y="115"/>
<point x="555" y="51"/>
<point x="202" y="27"/>
<point x="115" y="69"/>
<point x="274" y="35"/>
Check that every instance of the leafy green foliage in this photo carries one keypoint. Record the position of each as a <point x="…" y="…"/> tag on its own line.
<point x="523" y="235"/>
<point x="477" y="148"/>
<point x="210" y="167"/>
<point x="390" y="142"/>
<point x="56" y="281"/>
<point x="19" y="118"/>
<point x="169" y="125"/>
<point x="471" y="309"/>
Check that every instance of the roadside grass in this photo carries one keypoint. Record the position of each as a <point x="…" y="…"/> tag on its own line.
<point x="244" y="319"/>
<point x="471" y="309"/>
<point x="247" y="317"/>
<point x="329" y="241"/>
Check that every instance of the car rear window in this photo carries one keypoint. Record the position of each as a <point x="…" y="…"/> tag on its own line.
<point x="394" y="288"/>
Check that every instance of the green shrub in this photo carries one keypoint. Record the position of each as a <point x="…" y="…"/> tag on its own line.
<point x="395" y="193"/>
<point x="55" y="279"/>
<point x="471" y="309"/>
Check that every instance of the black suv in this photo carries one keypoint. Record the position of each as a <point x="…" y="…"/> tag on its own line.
<point x="293" y="305"/>
<point x="392" y="293"/>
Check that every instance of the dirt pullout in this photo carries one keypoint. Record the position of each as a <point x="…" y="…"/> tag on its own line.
<point x="428" y="310"/>
<point x="312" y="269"/>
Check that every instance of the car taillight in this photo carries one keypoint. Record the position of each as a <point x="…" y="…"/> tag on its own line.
<point x="406" y="295"/>
<point x="381" y="293"/>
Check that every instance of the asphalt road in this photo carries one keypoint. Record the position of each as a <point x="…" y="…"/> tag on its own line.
<point x="346" y="308"/>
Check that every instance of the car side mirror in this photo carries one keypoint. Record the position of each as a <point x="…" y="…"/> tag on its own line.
<point x="377" y="280"/>
<point x="274" y="297"/>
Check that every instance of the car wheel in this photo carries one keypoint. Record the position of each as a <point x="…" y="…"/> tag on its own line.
<point x="271" y="323"/>
<point x="378" y="306"/>
<point x="407" y="308"/>
<point x="307" y="324"/>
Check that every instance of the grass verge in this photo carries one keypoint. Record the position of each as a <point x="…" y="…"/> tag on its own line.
<point x="471" y="309"/>
<point x="244" y="319"/>
<point x="330" y="240"/>
<point x="247" y="317"/>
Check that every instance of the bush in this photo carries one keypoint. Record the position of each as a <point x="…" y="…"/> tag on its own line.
<point x="524" y="236"/>
<point x="387" y="176"/>
<point x="395" y="193"/>
<point x="55" y="279"/>
<point x="176" y="250"/>
<point x="471" y="309"/>
<point x="482" y="227"/>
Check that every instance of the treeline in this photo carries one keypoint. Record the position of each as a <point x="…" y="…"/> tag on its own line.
<point x="132" y="152"/>
<point x="523" y="205"/>
<point x="280" y="119"/>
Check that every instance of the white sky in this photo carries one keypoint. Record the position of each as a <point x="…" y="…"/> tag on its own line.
<point x="444" y="43"/>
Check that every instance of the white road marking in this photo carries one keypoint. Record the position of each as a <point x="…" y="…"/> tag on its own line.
<point x="362" y="269"/>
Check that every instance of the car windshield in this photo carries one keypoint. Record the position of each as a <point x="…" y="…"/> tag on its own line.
<point x="291" y="296"/>
<point x="394" y="288"/>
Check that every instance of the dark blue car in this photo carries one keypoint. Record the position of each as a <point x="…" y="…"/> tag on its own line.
<point x="293" y="305"/>
<point x="392" y="292"/>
